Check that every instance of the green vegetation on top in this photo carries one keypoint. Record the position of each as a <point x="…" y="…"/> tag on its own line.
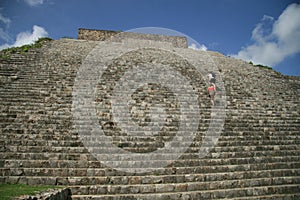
<point x="9" y="191"/>
<point x="262" y="66"/>
<point x="5" y="53"/>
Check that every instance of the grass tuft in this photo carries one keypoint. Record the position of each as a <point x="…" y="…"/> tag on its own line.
<point x="10" y="191"/>
<point x="5" y="53"/>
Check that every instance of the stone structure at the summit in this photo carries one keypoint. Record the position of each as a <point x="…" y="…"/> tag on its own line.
<point x="105" y="35"/>
<point x="254" y="155"/>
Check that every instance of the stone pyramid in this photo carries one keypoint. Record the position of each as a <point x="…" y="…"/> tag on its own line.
<point x="130" y="118"/>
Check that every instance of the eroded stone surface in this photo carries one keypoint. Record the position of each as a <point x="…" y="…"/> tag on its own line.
<point x="256" y="156"/>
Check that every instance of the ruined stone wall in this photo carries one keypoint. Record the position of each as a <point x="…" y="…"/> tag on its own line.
<point x="59" y="194"/>
<point x="101" y="35"/>
<point x="95" y="35"/>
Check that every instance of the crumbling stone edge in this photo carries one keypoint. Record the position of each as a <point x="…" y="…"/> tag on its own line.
<point x="51" y="194"/>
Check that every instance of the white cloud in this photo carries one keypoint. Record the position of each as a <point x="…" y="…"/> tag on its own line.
<point x="274" y="41"/>
<point x="3" y="34"/>
<point x="5" y="20"/>
<point x="34" y="2"/>
<point x="27" y="37"/>
<point x="197" y="47"/>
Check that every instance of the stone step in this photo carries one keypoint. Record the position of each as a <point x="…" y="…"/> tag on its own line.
<point x="64" y="157"/>
<point x="208" y="194"/>
<point x="185" y="196"/>
<point x="238" y="127"/>
<point x="76" y="146"/>
<point x="242" y="127"/>
<point x="271" y="196"/>
<point x="51" y="132"/>
<point x="165" y="188"/>
<point x="264" y="170"/>
<point x="244" y="136"/>
<point x="89" y="176"/>
<point x="192" y="164"/>
<point x="183" y="187"/>
<point x="192" y="153"/>
<point x="26" y="139"/>
<point x="266" y="134"/>
<point x="206" y="164"/>
<point x="40" y="95"/>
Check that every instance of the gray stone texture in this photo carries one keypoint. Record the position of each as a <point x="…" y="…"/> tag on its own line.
<point x="53" y="194"/>
<point x="102" y="35"/>
<point x="257" y="155"/>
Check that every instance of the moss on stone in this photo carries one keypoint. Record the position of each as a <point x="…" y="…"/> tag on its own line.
<point x="6" y="53"/>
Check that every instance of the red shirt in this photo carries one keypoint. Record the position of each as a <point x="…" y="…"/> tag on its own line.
<point x="211" y="88"/>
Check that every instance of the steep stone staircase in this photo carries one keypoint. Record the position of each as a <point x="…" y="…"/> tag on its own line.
<point x="256" y="155"/>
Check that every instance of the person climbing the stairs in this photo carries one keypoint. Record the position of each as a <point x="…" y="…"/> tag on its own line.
<point x="212" y="77"/>
<point x="212" y="87"/>
<point x="212" y="93"/>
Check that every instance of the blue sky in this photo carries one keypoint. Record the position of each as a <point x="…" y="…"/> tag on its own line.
<point x="262" y="31"/>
